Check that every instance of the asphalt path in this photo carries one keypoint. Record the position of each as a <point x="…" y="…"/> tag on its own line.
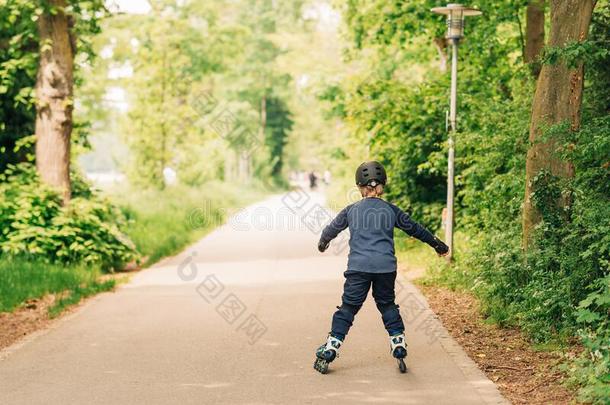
<point x="235" y="319"/>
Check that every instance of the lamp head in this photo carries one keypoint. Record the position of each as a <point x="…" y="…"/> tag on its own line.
<point x="455" y="18"/>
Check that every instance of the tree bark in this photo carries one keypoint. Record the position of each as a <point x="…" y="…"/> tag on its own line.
<point x="54" y="99"/>
<point x="534" y="35"/>
<point x="557" y="99"/>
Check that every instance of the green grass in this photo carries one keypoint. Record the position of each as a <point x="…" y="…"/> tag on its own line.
<point x="76" y="294"/>
<point x="161" y="223"/>
<point x="413" y="254"/>
<point x="164" y="222"/>
<point x="23" y="279"/>
<point x="459" y="276"/>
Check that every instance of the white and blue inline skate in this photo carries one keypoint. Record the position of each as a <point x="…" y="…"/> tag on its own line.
<point x="398" y="348"/>
<point x="326" y="354"/>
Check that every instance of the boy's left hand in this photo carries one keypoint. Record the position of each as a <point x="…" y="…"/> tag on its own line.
<point x="441" y="249"/>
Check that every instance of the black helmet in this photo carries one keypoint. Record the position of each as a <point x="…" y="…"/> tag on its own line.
<point x="370" y="174"/>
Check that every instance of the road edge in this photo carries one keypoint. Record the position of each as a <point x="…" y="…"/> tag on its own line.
<point x="487" y="389"/>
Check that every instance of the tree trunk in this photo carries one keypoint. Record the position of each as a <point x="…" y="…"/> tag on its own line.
<point x="54" y="101"/>
<point x="558" y="99"/>
<point x="263" y="128"/>
<point x="229" y="174"/>
<point x="534" y="35"/>
<point x="244" y="166"/>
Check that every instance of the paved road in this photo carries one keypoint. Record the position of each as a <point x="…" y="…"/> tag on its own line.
<point x="236" y="319"/>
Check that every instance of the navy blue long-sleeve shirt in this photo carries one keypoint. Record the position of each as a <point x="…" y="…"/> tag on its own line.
<point x="371" y="223"/>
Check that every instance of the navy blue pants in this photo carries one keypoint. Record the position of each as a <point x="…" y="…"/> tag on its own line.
<point x="355" y="290"/>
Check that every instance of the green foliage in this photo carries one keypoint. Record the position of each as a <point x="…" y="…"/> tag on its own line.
<point x="21" y="280"/>
<point x="278" y="127"/>
<point x="18" y="66"/>
<point x="575" y="53"/>
<point x="19" y="53"/>
<point x="170" y="60"/>
<point x="418" y="186"/>
<point x="396" y="107"/>
<point x="202" y="73"/>
<point x="35" y="224"/>
<point x="593" y="51"/>
<point x="598" y="69"/>
<point x="592" y="369"/>
<point x="552" y="291"/>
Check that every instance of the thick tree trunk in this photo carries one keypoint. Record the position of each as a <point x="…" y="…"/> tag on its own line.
<point x="54" y="101"/>
<point x="534" y="34"/>
<point x="558" y="98"/>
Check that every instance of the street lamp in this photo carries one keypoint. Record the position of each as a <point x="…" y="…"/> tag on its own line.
<point x="455" y="31"/>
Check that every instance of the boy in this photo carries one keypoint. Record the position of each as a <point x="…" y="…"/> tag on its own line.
<point x="371" y="262"/>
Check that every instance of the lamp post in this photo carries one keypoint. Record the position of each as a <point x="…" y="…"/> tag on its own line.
<point x="455" y="31"/>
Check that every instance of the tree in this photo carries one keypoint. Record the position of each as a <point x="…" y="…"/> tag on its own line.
<point x="173" y="51"/>
<point x="557" y="99"/>
<point x="54" y="97"/>
<point x="278" y="125"/>
<point x="38" y="44"/>
<point x="255" y="78"/>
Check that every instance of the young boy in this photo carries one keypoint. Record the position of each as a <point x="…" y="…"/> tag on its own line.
<point x="371" y="262"/>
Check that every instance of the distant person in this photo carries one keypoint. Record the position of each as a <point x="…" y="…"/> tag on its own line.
<point x="313" y="180"/>
<point x="371" y="262"/>
<point x="326" y="177"/>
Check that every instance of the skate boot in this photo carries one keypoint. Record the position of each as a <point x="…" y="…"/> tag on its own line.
<point x="326" y="354"/>
<point x="398" y="348"/>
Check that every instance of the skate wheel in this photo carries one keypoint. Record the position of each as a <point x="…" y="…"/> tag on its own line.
<point x="321" y="366"/>
<point x="402" y="366"/>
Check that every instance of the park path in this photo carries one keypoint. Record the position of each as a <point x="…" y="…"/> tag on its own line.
<point x="235" y="319"/>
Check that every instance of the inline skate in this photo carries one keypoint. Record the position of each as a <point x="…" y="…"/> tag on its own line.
<point x="326" y="354"/>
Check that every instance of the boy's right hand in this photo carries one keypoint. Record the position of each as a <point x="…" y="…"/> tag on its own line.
<point x="322" y="246"/>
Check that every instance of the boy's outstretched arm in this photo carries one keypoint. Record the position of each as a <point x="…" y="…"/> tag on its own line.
<point x="333" y="229"/>
<point x="412" y="228"/>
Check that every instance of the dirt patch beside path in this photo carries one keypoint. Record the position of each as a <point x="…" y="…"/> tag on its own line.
<point x="30" y="317"/>
<point x="33" y="315"/>
<point x="523" y="375"/>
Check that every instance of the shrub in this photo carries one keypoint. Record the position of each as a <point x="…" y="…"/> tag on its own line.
<point x="35" y="224"/>
<point x="592" y="369"/>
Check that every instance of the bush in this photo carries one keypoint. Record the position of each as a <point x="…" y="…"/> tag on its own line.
<point x="35" y="224"/>
<point x="560" y="289"/>
<point x="592" y="369"/>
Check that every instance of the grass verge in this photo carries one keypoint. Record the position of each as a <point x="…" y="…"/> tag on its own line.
<point x="163" y="222"/>
<point x="24" y="279"/>
<point x="413" y="254"/>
